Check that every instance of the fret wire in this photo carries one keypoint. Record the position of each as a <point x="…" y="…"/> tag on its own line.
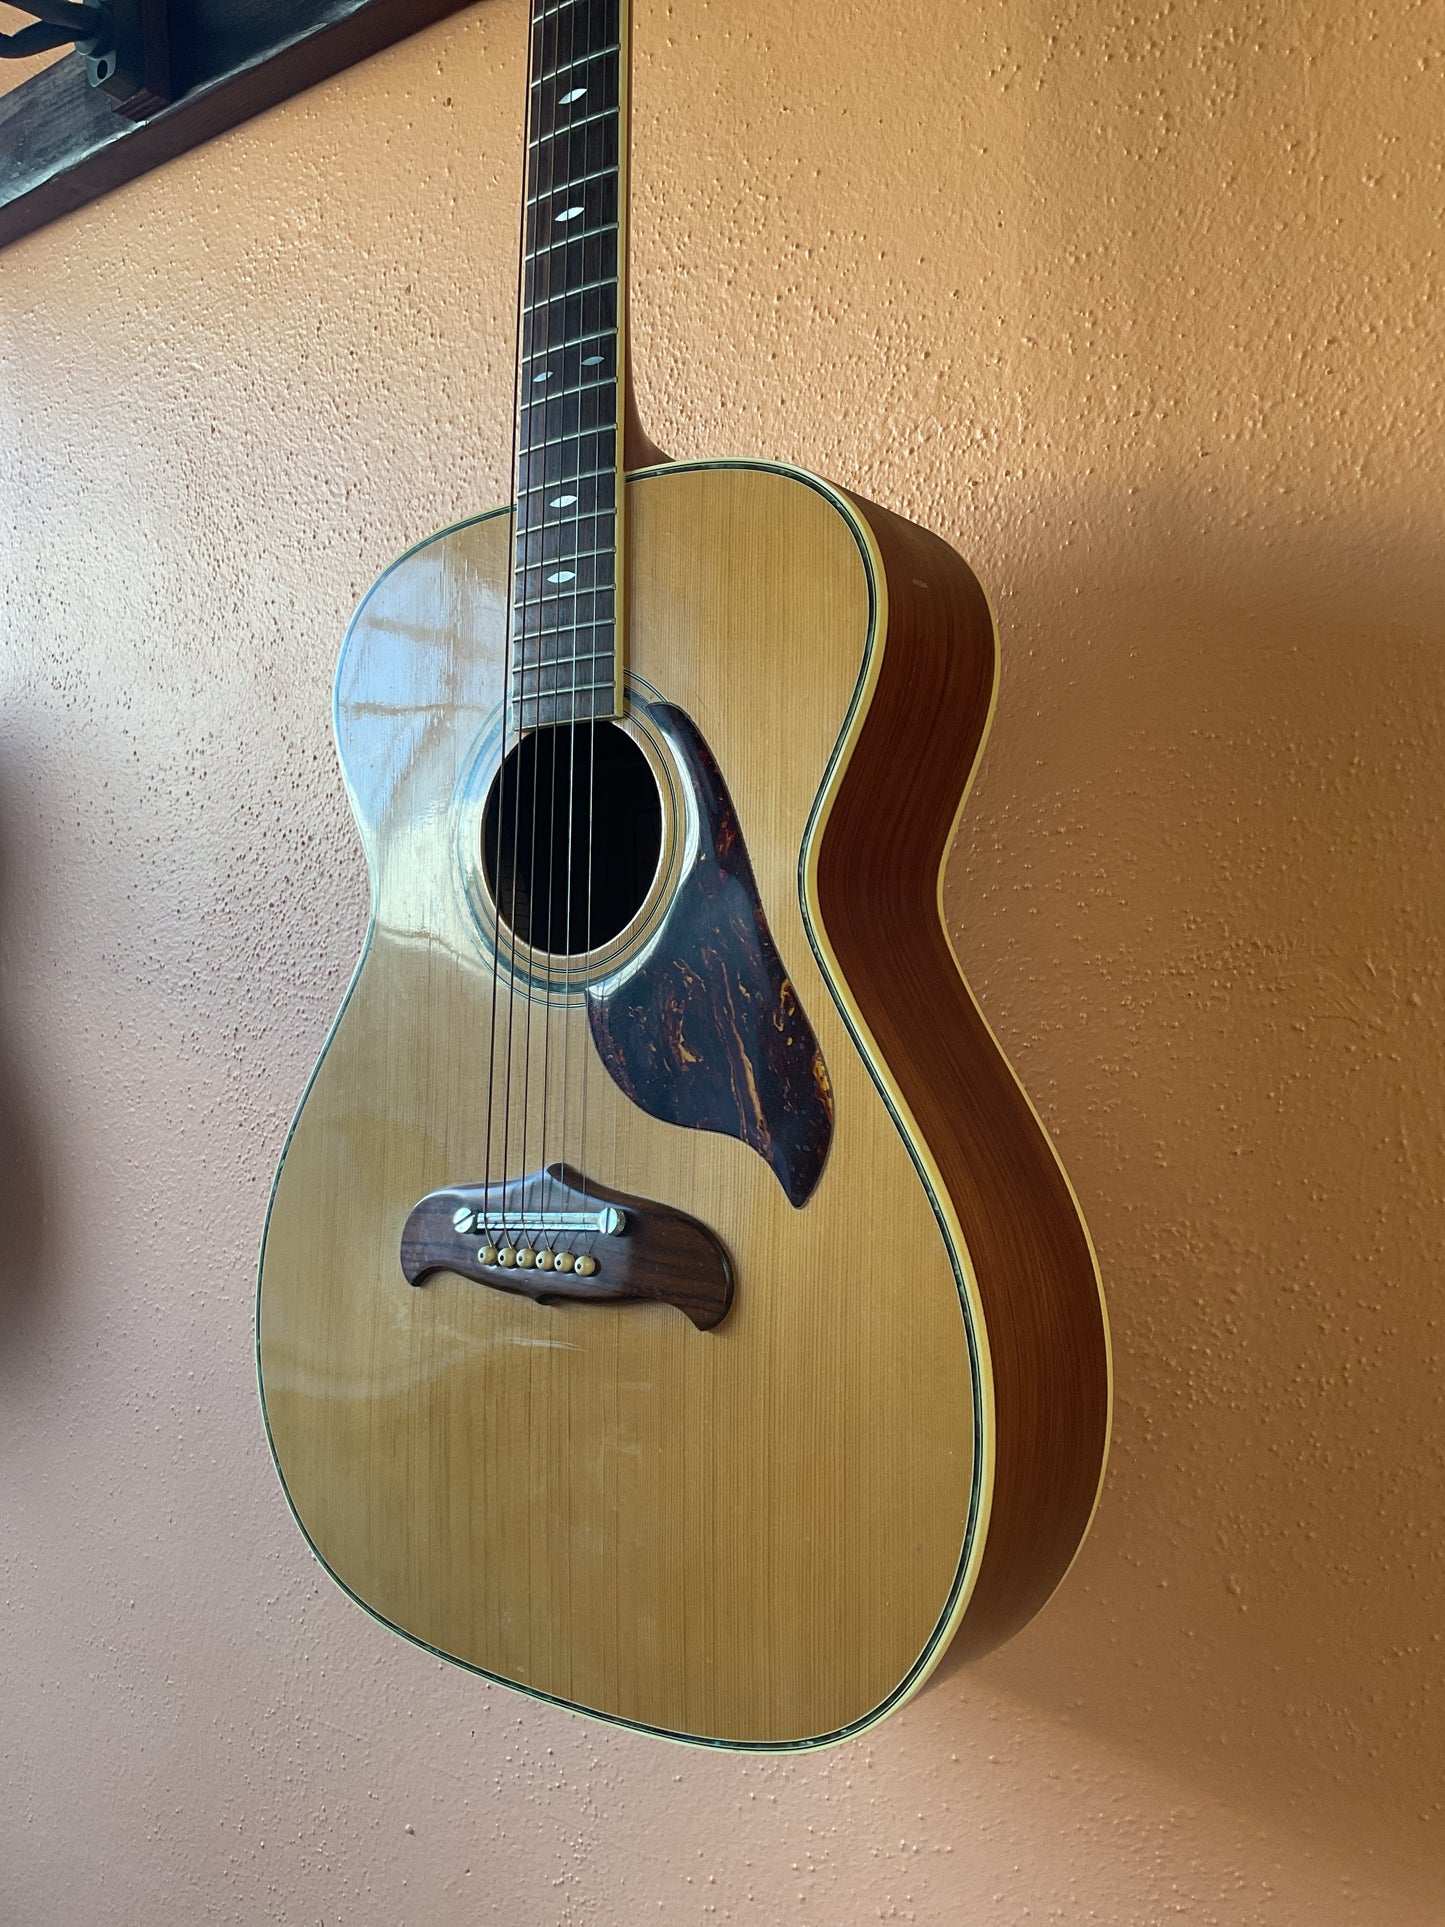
<point x="567" y="127"/>
<point x="566" y="439"/>
<point x="547" y="12"/>
<point x="566" y="240"/>
<point x="593" y="686"/>
<point x="565" y="294"/>
<point x="570" y="657"/>
<point x="602" y="623"/>
<point x="578" y="60"/>
<point x="538" y="194"/>
<point x="544" y="446"/>
<point x="530" y="604"/>
<point x="575" y="555"/>
<point x="575" y="341"/>
<point x="568" y="631"/>
<point x="602" y="475"/>
<point x="598" y="387"/>
<point x="589" y="475"/>
<point x="561" y="655"/>
<point x="542" y="602"/>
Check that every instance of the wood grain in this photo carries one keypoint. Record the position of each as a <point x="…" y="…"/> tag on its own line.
<point x="756" y="1536"/>
<point x="1027" y="1249"/>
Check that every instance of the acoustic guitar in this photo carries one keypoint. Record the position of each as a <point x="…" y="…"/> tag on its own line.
<point x="670" y="1304"/>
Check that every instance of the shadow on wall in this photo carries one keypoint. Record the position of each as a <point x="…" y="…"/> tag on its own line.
<point x="1214" y="949"/>
<point x="23" y="1272"/>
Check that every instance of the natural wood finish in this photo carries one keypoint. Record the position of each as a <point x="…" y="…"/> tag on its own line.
<point x="760" y="1535"/>
<point x="1028" y="1251"/>
<point x="747" y="1535"/>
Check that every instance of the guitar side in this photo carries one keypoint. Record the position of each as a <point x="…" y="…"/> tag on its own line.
<point x="765" y="1535"/>
<point x="875" y="877"/>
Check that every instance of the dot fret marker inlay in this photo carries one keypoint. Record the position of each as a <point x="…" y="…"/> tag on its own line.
<point x="568" y="568"/>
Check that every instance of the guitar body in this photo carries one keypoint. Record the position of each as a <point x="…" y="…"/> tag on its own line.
<point x="760" y="1526"/>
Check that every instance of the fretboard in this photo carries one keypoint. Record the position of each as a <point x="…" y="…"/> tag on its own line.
<point x="567" y="585"/>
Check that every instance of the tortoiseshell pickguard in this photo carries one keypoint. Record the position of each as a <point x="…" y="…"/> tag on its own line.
<point x="707" y="1031"/>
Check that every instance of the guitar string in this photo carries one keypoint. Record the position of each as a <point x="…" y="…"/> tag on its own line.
<point x="571" y="527"/>
<point x="520" y="600"/>
<point x="528" y="450"/>
<point x="541" y="741"/>
<point x="572" y="719"/>
<point x="607" y="324"/>
<point x="553" y="405"/>
<point x="548" y="1188"/>
<point x="618" y="509"/>
<point x="492" y="1226"/>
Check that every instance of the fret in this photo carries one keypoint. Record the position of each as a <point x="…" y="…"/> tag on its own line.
<point x="594" y="338"/>
<point x="582" y="665"/>
<point x="535" y="588"/>
<point x="592" y="497"/>
<point x="569" y="555"/>
<point x="555" y="638"/>
<point x="564" y="659"/>
<point x="555" y="542"/>
<point x="565" y="415"/>
<point x="591" y="25"/>
<point x="536" y="712"/>
<point x="565" y="461"/>
<point x="561" y="638"/>
<point x="566" y="240"/>
<point x="556" y="68"/>
<point x="552" y="384"/>
<point x="559" y="683"/>
<point x="571" y="126"/>
<point x="566" y="515"/>
<point x="580" y="262"/>
<point x="573" y="180"/>
<point x="562" y="689"/>
<point x="535" y="618"/>
<point x="555" y="452"/>
<point x="583" y="287"/>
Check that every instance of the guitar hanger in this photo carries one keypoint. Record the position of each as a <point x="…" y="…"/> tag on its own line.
<point x="125" y="45"/>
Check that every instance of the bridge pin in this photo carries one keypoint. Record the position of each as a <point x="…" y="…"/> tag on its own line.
<point x="565" y="1261"/>
<point x="488" y="1254"/>
<point x="586" y="1267"/>
<point x="526" y="1257"/>
<point x="545" y="1261"/>
<point x="506" y="1257"/>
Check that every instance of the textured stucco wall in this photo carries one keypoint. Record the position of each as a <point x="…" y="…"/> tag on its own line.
<point x="1131" y="304"/>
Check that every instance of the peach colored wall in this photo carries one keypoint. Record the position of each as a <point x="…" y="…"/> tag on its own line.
<point x="1132" y="305"/>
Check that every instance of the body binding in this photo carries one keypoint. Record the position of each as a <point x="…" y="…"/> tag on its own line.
<point x="764" y="1536"/>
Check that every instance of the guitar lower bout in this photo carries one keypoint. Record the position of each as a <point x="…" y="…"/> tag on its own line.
<point x="741" y="1483"/>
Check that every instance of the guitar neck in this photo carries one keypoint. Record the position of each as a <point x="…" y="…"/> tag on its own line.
<point x="567" y="586"/>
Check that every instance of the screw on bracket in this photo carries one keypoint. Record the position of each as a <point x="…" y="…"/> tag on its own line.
<point x="125" y="45"/>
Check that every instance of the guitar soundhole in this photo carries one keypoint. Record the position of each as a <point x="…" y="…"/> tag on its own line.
<point x="571" y="836"/>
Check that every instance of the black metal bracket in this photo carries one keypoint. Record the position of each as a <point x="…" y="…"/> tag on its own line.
<point x="158" y="77"/>
<point x="125" y="45"/>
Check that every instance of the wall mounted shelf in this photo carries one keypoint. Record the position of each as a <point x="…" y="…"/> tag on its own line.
<point x="63" y="142"/>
